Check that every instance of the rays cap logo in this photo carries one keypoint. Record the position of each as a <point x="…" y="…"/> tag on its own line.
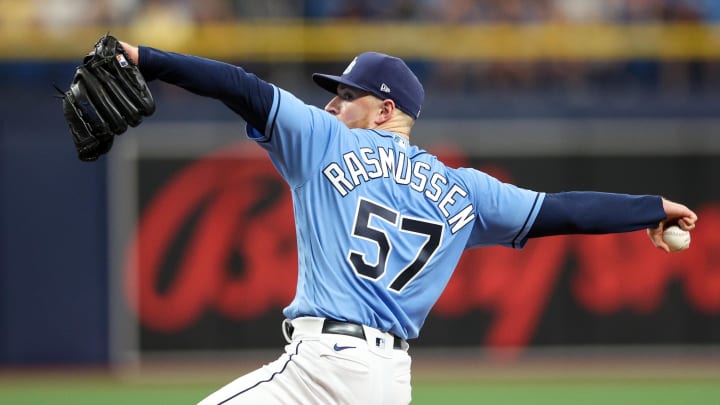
<point x="381" y="75"/>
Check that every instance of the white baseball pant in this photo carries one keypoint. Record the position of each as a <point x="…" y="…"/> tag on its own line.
<point x="324" y="369"/>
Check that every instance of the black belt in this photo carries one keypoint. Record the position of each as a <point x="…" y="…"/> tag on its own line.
<point x="352" y="329"/>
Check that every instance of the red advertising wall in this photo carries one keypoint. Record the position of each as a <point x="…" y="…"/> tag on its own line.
<point x="212" y="261"/>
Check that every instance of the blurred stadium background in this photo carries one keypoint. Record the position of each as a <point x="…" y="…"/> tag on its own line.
<point x="158" y="273"/>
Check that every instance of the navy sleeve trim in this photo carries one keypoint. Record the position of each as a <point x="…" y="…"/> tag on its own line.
<point x="587" y="212"/>
<point x="527" y="219"/>
<point x="268" y="136"/>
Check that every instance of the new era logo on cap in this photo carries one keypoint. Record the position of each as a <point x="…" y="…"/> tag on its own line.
<point x="384" y="76"/>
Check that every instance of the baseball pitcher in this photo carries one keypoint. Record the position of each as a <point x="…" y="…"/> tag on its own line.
<point x="381" y="223"/>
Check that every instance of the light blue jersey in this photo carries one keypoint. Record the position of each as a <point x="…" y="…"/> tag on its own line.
<point x="381" y="223"/>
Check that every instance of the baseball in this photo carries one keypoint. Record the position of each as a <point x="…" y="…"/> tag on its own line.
<point x="677" y="239"/>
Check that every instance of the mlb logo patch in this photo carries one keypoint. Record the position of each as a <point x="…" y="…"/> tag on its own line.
<point x="121" y="60"/>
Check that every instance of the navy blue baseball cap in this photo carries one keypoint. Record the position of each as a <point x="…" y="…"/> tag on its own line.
<point x="384" y="76"/>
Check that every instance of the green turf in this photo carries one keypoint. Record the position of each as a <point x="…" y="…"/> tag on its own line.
<point x="60" y="391"/>
<point x="105" y="396"/>
<point x="561" y="393"/>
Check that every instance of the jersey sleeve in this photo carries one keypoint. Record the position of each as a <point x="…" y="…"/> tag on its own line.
<point x="297" y="136"/>
<point x="505" y="212"/>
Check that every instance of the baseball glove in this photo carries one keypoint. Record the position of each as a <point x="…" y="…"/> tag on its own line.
<point x="107" y="94"/>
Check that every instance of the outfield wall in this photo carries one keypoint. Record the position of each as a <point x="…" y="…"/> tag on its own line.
<point x="612" y="291"/>
<point x="66" y="292"/>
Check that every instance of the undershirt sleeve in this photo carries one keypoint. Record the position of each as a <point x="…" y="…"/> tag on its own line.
<point x="243" y="92"/>
<point x="588" y="212"/>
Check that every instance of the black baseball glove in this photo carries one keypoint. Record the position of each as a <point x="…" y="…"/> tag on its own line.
<point x="107" y="94"/>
